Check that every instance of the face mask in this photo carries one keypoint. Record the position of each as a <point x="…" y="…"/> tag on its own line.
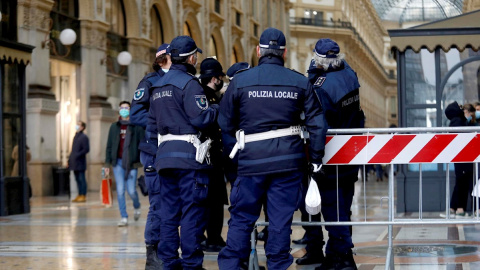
<point x="164" y="70"/>
<point x="469" y="118"/>
<point x="77" y="127"/>
<point x="124" y="113"/>
<point x="477" y="114"/>
<point x="219" y="86"/>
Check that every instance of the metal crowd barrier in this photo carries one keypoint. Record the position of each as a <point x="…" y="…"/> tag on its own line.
<point x="397" y="146"/>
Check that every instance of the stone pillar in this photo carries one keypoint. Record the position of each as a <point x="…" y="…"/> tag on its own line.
<point x="41" y="104"/>
<point x="42" y="140"/>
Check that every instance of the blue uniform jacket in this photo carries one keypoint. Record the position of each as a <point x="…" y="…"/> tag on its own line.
<point x="178" y="106"/>
<point x="338" y="90"/>
<point x="141" y="105"/>
<point x="265" y="98"/>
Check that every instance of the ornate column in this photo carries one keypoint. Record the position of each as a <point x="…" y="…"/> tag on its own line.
<point x="42" y="107"/>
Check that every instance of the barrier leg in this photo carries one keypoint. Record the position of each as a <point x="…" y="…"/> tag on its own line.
<point x="389" y="262"/>
<point x="253" y="259"/>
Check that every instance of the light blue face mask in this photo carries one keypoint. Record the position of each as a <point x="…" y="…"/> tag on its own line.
<point x="477" y="114"/>
<point x="469" y="118"/>
<point x="124" y="113"/>
<point x="164" y="70"/>
<point x="77" y="127"/>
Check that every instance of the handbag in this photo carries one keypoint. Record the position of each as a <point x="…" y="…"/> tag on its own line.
<point x="312" y="199"/>
<point x="106" y="190"/>
<point x="142" y="185"/>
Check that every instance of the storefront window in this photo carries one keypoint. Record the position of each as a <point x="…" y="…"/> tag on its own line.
<point x="422" y="117"/>
<point x="12" y="128"/>
<point x="420" y="77"/>
<point x="463" y="82"/>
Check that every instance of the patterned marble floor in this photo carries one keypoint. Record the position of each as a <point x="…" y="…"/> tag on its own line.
<point x="58" y="234"/>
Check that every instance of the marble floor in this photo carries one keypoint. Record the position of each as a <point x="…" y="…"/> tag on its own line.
<point x="58" y="234"/>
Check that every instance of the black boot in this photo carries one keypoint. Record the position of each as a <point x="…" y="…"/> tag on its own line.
<point x="337" y="261"/>
<point x="346" y="261"/>
<point x="311" y="258"/>
<point x="153" y="262"/>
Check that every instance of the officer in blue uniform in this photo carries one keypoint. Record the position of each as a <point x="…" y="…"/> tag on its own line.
<point x="179" y="112"/>
<point x="261" y="111"/>
<point x="233" y="69"/>
<point x="139" y="113"/>
<point x="211" y="77"/>
<point x="337" y="86"/>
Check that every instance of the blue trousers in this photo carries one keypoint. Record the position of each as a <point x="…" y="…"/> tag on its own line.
<point x="81" y="182"/>
<point x="131" y="186"/>
<point x="339" y="237"/>
<point x="282" y="192"/>
<point x="152" y="226"/>
<point x="182" y="204"/>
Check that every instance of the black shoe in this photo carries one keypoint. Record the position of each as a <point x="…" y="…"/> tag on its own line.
<point x="346" y="262"/>
<point x="153" y="262"/>
<point x="263" y="235"/>
<point x="338" y="262"/>
<point x="301" y="241"/>
<point x="311" y="258"/>
<point x="328" y="263"/>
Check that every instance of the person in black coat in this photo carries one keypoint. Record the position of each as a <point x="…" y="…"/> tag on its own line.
<point x="77" y="162"/>
<point x="463" y="171"/>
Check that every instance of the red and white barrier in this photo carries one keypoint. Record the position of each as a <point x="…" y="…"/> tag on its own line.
<point x="402" y="148"/>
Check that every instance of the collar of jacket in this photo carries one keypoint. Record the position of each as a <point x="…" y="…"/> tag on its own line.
<point x="271" y="59"/>
<point x="185" y="68"/>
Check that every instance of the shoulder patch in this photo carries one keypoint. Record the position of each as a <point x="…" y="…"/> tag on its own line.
<point x="139" y="93"/>
<point x="201" y="101"/>
<point x="320" y="81"/>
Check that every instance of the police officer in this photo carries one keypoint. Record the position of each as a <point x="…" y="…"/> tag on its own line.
<point x="313" y="237"/>
<point x="179" y="111"/>
<point x="139" y="113"/>
<point x="211" y="77"/>
<point x="262" y="108"/>
<point x="233" y="69"/>
<point x="337" y="86"/>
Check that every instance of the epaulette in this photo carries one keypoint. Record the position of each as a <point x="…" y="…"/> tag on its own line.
<point x="297" y="72"/>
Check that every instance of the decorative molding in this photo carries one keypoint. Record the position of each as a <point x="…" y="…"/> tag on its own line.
<point x="102" y="114"/>
<point x="94" y="34"/>
<point x="42" y="105"/>
<point x="97" y="101"/>
<point x="40" y="91"/>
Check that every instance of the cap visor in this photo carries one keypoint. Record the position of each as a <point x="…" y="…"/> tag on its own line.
<point x="199" y="50"/>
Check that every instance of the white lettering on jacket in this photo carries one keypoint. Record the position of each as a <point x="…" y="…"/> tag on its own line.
<point x="162" y="94"/>
<point x="270" y="94"/>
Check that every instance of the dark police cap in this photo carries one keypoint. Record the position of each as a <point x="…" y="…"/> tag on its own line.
<point x="326" y="48"/>
<point x="210" y="67"/>
<point x="272" y="38"/>
<point x="163" y="49"/>
<point x="183" y="46"/>
<point x="237" y="67"/>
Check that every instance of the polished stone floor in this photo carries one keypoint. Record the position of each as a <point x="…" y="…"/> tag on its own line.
<point x="58" y="234"/>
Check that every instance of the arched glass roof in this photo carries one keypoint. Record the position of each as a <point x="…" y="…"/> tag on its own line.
<point x="417" y="10"/>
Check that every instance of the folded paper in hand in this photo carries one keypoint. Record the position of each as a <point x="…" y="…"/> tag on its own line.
<point x="313" y="200"/>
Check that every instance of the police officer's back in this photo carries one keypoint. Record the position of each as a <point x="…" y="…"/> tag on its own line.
<point x="260" y="114"/>
<point x="337" y="86"/>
